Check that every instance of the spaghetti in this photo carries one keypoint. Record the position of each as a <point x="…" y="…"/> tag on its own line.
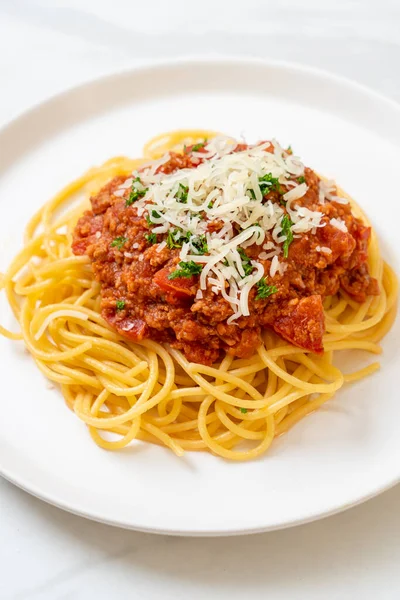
<point x="125" y="390"/>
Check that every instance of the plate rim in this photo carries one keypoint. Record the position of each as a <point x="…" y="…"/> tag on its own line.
<point x="231" y="59"/>
<point x="165" y="64"/>
<point x="32" y="491"/>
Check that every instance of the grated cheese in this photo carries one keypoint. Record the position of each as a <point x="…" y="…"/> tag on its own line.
<point x="226" y="189"/>
<point x="323" y="249"/>
<point x="339" y="224"/>
<point x="274" y="266"/>
<point x="161" y="246"/>
<point x="327" y="190"/>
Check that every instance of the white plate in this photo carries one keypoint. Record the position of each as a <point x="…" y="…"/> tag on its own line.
<point x="337" y="457"/>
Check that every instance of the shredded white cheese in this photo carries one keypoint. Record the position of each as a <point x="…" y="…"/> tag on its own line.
<point x="227" y="191"/>
<point x="327" y="190"/>
<point x="339" y="224"/>
<point x="324" y="249"/>
<point x="274" y="266"/>
<point x="161" y="246"/>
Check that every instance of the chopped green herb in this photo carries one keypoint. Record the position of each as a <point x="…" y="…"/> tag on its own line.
<point x="137" y="191"/>
<point x="286" y="225"/>
<point x="155" y="215"/>
<point x="118" y="242"/>
<point x="197" y="147"/>
<point x="269" y="184"/>
<point x="264" y="290"/>
<point x="187" y="269"/>
<point x="301" y="179"/>
<point x="252" y="194"/>
<point x="243" y="410"/>
<point x="151" y="238"/>
<point x="120" y="304"/>
<point x="171" y="241"/>
<point x="184" y="237"/>
<point x="184" y="148"/>
<point x="199" y="243"/>
<point x="177" y="237"/>
<point x="182" y="194"/>
<point x="246" y="262"/>
<point x="210" y="204"/>
<point x="289" y="150"/>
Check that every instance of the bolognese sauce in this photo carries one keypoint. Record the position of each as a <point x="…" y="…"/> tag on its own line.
<point x="272" y="250"/>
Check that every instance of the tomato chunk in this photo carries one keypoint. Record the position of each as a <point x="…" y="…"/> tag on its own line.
<point x="303" y="324"/>
<point x="341" y="243"/>
<point x="181" y="287"/>
<point x="134" y="329"/>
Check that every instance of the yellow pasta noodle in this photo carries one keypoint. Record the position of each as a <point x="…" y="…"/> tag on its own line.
<point x="148" y="391"/>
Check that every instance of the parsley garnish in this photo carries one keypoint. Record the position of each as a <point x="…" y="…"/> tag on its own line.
<point x="155" y="215"/>
<point x="301" y="179"/>
<point x="286" y="225"/>
<point x="243" y="410"/>
<point x="264" y="290"/>
<point x="176" y="238"/>
<point x="187" y="269"/>
<point x="200" y="244"/>
<point x="289" y="150"/>
<point x="137" y="191"/>
<point x="246" y="262"/>
<point x="151" y="238"/>
<point x="171" y="241"/>
<point x="199" y="146"/>
<point x="120" y="304"/>
<point x="182" y="193"/>
<point x="269" y="184"/>
<point x="119" y="242"/>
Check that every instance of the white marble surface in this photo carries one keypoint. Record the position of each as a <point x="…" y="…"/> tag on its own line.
<point x="46" y="554"/>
